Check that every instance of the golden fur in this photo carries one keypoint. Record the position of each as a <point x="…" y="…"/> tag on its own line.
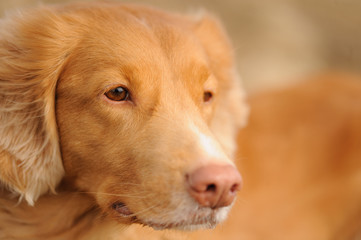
<point x="60" y="133"/>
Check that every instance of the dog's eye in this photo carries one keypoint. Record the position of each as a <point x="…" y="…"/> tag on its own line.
<point x="207" y="96"/>
<point x="118" y="94"/>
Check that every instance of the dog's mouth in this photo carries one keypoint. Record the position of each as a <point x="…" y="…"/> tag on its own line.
<point x="200" y="218"/>
<point x="122" y="209"/>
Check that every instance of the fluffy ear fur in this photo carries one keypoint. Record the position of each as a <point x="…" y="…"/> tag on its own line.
<point x="231" y="112"/>
<point x="32" y="55"/>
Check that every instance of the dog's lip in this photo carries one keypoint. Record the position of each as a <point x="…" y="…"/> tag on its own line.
<point x="205" y="222"/>
<point x="203" y="217"/>
<point x="193" y="221"/>
<point x="122" y="209"/>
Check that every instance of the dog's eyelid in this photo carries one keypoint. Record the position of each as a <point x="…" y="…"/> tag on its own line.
<point x="118" y="93"/>
<point x="113" y="86"/>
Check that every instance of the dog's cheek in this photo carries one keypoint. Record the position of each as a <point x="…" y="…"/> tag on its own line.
<point x="97" y="156"/>
<point x="92" y="165"/>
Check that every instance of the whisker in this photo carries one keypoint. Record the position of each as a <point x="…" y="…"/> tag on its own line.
<point x="125" y="183"/>
<point x="115" y="194"/>
<point x="240" y="201"/>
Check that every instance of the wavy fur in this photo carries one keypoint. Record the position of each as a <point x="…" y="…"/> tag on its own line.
<point x="31" y="162"/>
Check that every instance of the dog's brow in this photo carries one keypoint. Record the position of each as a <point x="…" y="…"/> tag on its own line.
<point x="204" y="74"/>
<point x="200" y="72"/>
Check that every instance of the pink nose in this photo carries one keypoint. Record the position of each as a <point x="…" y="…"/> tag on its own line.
<point x="214" y="186"/>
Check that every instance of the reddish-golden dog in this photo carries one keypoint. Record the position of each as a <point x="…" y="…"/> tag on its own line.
<point x="128" y="113"/>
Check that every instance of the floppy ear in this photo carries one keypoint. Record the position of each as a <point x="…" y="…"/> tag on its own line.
<point x="32" y="54"/>
<point x="231" y="111"/>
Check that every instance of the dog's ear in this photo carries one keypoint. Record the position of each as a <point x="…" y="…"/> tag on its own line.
<point x="32" y="54"/>
<point x="231" y="112"/>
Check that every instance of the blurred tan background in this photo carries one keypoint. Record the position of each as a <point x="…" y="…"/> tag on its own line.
<point x="276" y="41"/>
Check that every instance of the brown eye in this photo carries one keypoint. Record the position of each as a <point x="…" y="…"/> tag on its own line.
<point x="118" y="94"/>
<point x="207" y="96"/>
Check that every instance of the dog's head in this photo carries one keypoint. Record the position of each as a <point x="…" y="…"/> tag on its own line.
<point x="136" y="107"/>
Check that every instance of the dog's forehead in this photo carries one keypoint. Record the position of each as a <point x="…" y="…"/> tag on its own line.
<point x="139" y="45"/>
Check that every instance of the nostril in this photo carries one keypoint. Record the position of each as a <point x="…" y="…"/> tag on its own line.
<point x="235" y="187"/>
<point x="211" y="188"/>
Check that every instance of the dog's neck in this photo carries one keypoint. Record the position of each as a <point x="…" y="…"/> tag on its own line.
<point x="67" y="215"/>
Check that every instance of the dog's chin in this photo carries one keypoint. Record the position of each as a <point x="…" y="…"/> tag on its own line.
<point x="203" y="218"/>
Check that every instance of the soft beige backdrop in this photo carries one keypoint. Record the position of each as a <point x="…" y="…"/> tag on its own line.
<point x="276" y="41"/>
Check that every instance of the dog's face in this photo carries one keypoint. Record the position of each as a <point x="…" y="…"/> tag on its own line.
<point x="143" y="101"/>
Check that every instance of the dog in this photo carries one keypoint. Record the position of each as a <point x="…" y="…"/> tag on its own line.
<point x="113" y="114"/>
<point x="299" y="157"/>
